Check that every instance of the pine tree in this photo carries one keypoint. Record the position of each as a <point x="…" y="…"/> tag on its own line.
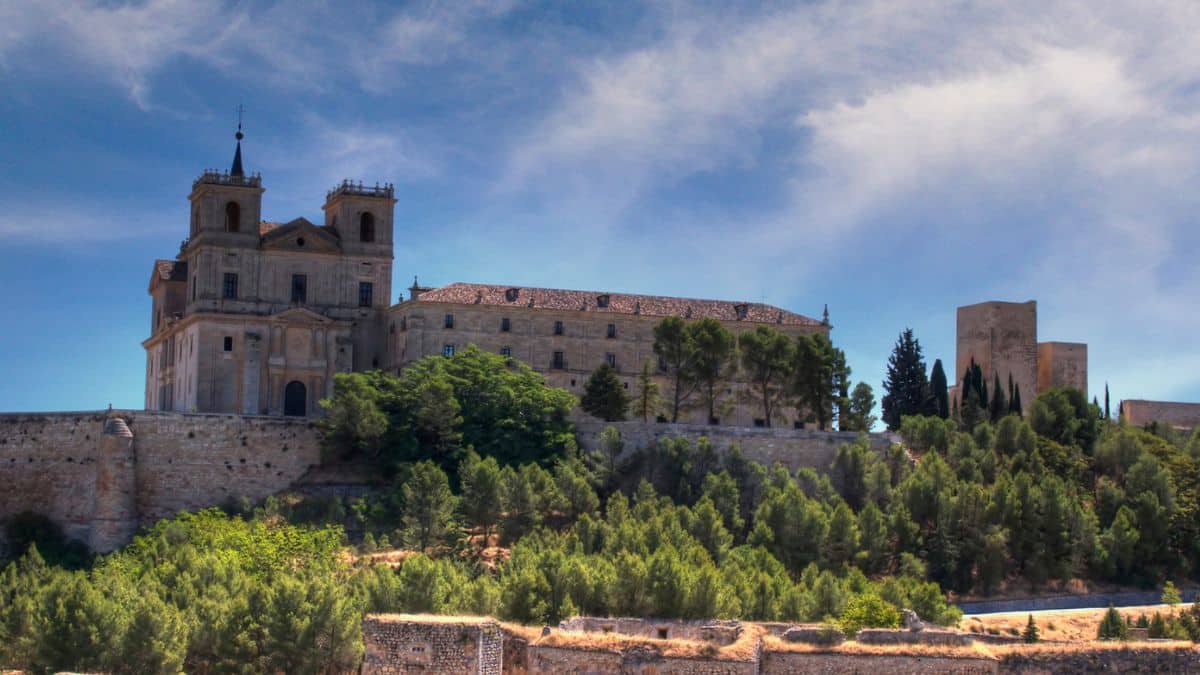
<point x="906" y="385"/>
<point x="938" y="391"/>
<point x="1112" y="627"/>
<point x="998" y="407"/>
<point x="1031" y="633"/>
<point x="648" y="399"/>
<point x="429" y="507"/>
<point x="604" y="396"/>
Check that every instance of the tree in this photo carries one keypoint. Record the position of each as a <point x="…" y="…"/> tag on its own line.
<point x="862" y="402"/>
<point x="1112" y="627"/>
<point x="675" y="347"/>
<point x="1170" y="595"/>
<point x="767" y="357"/>
<point x="481" y="493"/>
<point x="938" y="391"/>
<point x="998" y="407"/>
<point x="868" y="610"/>
<point x="428" y="507"/>
<point x="714" y="352"/>
<point x="1014" y="403"/>
<point x="436" y="420"/>
<point x="1031" y="634"/>
<point x="819" y="377"/>
<point x="353" y="421"/>
<point x="906" y="386"/>
<point x="1107" y="409"/>
<point x="647" y="400"/>
<point x="604" y="396"/>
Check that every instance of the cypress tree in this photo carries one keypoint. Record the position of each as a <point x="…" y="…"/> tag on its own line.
<point x="939" y="393"/>
<point x="999" y="406"/>
<point x="1015" y="404"/>
<point x="906" y="385"/>
<point x="1106" y="408"/>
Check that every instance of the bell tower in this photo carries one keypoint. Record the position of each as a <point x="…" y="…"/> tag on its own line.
<point x="226" y="206"/>
<point x="362" y="217"/>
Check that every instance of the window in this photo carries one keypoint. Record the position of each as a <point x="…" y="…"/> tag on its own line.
<point x="602" y="301"/>
<point x="611" y="359"/>
<point x="505" y="325"/>
<point x="365" y="290"/>
<point x="558" y="328"/>
<point x="228" y="343"/>
<point x="612" y="331"/>
<point x="760" y="422"/>
<point x="715" y="421"/>
<point x="662" y="364"/>
<point x="448" y="350"/>
<point x="558" y="362"/>
<point x="448" y="322"/>
<point x="506" y="351"/>
<point x="229" y="286"/>
<point x="366" y="228"/>
<point x="512" y="294"/>
<point x="233" y="217"/>
<point x="299" y="288"/>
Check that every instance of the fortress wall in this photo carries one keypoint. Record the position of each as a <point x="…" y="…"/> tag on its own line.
<point x="395" y="644"/>
<point x="793" y="448"/>
<point x="188" y="461"/>
<point x="48" y="465"/>
<point x="548" y="660"/>
<point x="49" y="462"/>
<point x="1062" y="364"/>
<point x="1140" y="413"/>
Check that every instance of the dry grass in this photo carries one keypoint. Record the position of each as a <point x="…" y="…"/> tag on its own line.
<point x="742" y="649"/>
<point x="393" y="558"/>
<point x="1068" y="625"/>
<point x="975" y="650"/>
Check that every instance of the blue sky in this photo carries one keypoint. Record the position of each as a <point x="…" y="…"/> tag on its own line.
<point x="894" y="159"/>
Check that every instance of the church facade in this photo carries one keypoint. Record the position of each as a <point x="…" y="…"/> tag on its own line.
<point x="256" y="318"/>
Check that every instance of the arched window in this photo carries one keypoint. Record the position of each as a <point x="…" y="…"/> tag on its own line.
<point x="366" y="228"/>
<point x="295" y="403"/>
<point x="233" y="217"/>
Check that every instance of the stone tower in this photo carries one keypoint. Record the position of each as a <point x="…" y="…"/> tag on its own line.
<point x="114" y="518"/>
<point x="1001" y="337"/>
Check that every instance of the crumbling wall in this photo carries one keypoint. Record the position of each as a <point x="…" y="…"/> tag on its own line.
<point x="830" y="663"/>
<point x="396" y="644"/>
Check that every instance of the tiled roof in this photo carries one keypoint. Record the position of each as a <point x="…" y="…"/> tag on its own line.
<point x="171" y="270"/>
<point x="265" y="227"/>
<point x="617" y="303"/>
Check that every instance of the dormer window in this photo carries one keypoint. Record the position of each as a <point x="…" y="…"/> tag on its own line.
<point x="602" y="301"/>
<point x="366" y="228"/>
<point x="512" y="294"/>
<point x="742" y="310"/>
<point x="233" y="217"/>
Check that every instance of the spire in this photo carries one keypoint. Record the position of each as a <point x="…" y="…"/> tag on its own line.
<point x="825" y="317"/>
<point x="236" y="169"/>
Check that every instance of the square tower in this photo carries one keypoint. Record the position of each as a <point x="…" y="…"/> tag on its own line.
<point x="1001" y="337"/>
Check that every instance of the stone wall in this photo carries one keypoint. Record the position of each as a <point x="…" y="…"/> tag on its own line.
<point x="1103" y="659"/>
<point x="1062" y="364"/>
<point x="794" y="448"/>
<point x="546" y="660"/>
<point x="786" y="663"/>
<point x="58" y="465"/>
<point x="400" y="644"/>
<point x="1001" y="337"/>
<point x="1140" y="413"/>
<point x="716" y="631"/>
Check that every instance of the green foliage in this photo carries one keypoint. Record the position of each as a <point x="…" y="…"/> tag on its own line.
<point x="1031" y="634"/>
<point x="429" y="507"/>
<point x="1170" y="594"/>
<point x="906" y="387"/>
<point x="714" y="360"/>
<point x="646" y="402"/>
<point x="858" y="416"/>
<point x="938" y="391"/>
<point x="438" y="407"/>
<point x="820" y="378"/>
<point x="767" y="361"/>
<point x="27" y="529"/>
<point x="1112" y="627"/>
<point x="604" y="396"/>
<point x="868" y="610"/>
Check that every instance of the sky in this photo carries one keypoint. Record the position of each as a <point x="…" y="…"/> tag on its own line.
<point x="892" y="159"/>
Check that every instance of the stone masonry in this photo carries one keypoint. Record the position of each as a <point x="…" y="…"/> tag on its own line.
<point x="101" y="475"/>
<point x="1179" y="415"/>
<point x="398" y="644"/>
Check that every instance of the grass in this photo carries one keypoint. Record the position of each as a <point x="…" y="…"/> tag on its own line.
<point x="1067" y="625"/>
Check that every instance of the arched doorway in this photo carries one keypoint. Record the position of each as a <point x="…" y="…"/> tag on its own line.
<point x="295" y="399"/>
